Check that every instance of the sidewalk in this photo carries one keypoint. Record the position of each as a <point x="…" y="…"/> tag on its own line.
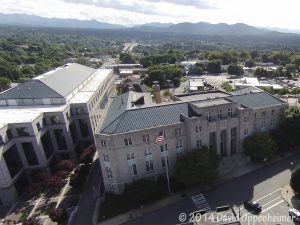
<point x="225" y="177"/>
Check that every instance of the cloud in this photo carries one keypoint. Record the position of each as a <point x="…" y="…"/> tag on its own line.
<point x="129" y="12"/>
<point x="196" y="3"/>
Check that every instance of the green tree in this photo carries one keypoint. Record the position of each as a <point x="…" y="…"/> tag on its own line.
<point x="235" y="69"/>
<point x="250" y="63"/>
<point x="214" y="66"/>
<point x="162" y="73"/>
<point x="290" y="69"/>
<point x="143" y="191"/>
<point x="295" y="180"/>
<point x="260" y="146"/>
<point x="4" y="83"/>
<point x="197" y="167"/>
<point x="261" y="72"/>
<point x="127" y="58"/>
<point x="254" y="54"/>
<point x="288" y="132"/>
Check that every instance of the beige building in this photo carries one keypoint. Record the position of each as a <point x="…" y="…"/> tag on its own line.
<point x="126" y="140"/>
<point x="51" y="116"/>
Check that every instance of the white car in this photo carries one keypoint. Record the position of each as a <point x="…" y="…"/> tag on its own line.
<point x="295" y="214"/>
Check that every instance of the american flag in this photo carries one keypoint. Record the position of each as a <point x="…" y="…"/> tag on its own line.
<point x="160" y="138"/>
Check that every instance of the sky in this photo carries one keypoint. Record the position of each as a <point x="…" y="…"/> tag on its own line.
<point x="261" y="13"/>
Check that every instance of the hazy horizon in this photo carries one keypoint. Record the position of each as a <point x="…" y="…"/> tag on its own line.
<point x="136" y="12"/>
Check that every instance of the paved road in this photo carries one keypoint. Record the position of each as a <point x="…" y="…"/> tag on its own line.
<point x="255" y="185"/>
<point x="88" y="199"/>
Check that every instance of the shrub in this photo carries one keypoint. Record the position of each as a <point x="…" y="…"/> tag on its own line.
<point x="32" y="221"/>
<point x="55" y="182"/>
<point x="87" y="155"/>
<point x="65" y="165"/>
<point x="58" y="215"/>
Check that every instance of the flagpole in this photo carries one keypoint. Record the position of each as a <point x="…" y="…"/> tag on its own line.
<point x="166" y="163"/>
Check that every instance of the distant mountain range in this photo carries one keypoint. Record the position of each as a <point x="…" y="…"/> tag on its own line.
<point x="37" y="21"/>
<point x="200" y="28"/>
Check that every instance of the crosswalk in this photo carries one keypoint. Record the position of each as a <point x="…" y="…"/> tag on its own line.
<point x="201" y="203"/>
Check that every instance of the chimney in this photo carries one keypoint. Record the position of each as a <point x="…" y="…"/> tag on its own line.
<point x="156" y="92"/>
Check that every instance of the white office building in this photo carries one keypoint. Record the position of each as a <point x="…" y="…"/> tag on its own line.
<point x="51" y="116"/>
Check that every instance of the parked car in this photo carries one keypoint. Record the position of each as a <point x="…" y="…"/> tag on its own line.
<point x="295" y="214"/>
<point x="251" y="205"/>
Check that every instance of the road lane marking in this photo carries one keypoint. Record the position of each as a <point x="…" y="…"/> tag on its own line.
<point x="272" y="206"/>
<point x="268" y="194"/>
<point x="271" y="201"/>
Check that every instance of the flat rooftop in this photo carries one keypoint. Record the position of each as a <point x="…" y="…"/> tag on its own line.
<point x="211" y="102"/>
<point x="201" y="96"/>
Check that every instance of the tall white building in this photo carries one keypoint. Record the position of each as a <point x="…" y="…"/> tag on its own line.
<point x="126" y="140"/>
<point x="51" y="116"/>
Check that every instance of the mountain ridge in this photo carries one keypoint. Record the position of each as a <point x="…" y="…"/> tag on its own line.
<point x="199" y="28"/>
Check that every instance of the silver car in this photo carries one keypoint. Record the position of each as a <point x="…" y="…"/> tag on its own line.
<point x="295" y="214"/>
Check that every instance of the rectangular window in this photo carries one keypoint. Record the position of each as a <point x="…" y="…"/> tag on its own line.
<point x="105" y="158"/>
<point x="148" y="152"/>
<point x="134" y="169"/>
<point x="273" y="112"/>
<point x="198" y="129"/>
<point x="103" y="144"/>
<point x="198" y="143"/>
<point x="146" y="138"/>
<point x="229" y="112"/>
<point x="47" y="145"/>
<point x="9" y="134"/>
<point x="255" y="115"/>
<point x="163" y="148"/>
<point x="30" y="153"/>
<point x="220" y="114"/>
<point x="111" y="187"/>
<point x="13" y="161"/>
<point x="84" y="128"/>
<point x="73" y="131"/>
<point x="273" y="123"/>
<point x="108" y="172"/>
<point x="22" y="132"/>
<point x="127" y="141"/>
<point x="149" y="165"/>
<point x="38" y="126"/>
<point x="245" y="131"/>
<point x="179" y="143"/>
<point x="55" y="120"/>
<point x="178" y="131"/>
<point x="208" y="116"/>
<point x="130" y="156"/>
<point x="60" y="139"/>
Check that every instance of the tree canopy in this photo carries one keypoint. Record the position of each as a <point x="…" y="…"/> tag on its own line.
<point x="214" y="66"/>
<point x="295" y="180"/>
<point x="162" y="73"/>
<point x="197" y="167"/>
<point x="235" y="69"/>
<point x="260" y="146"/>
<point x="288" y="132"/>
<point x="4" y="83"/>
